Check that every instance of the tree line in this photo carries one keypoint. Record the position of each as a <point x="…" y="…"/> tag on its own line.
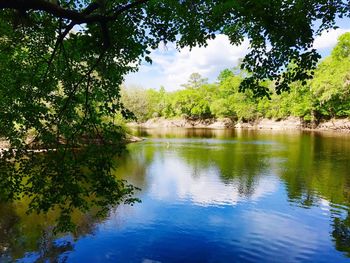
<point x="326" y="96"/>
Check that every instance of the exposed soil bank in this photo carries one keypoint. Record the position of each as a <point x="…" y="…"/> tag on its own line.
<point x="291" y="123"/>
<point x="131" y="138"/>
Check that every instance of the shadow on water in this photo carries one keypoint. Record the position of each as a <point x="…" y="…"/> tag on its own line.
<point x="44" y="195"/>
<point x="192" y="167"/>
<point x="33" y="235"/>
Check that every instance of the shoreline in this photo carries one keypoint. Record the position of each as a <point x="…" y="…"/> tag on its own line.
<point x="129" y="138"/>
<point x="340" y="126"/>
<point x="288" y="124"/>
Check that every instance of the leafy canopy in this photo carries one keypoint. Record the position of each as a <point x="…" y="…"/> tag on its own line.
<point x="280" y="31"/>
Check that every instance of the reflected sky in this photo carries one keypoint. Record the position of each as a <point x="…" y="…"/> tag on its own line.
<point x="181" y="182"/>
<point x="224" y="197"/>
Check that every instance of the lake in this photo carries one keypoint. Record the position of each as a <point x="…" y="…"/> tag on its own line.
<point x="209" y="196"/>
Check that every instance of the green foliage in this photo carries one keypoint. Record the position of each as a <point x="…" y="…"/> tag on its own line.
<point x="327" y="95"/>
<point x="342" y="49"/>
<point x="331" y="85"/>
<point x="137" y="101"/>
<point x="224" y="74"/>
<point x="144" y="104"/>
<point x="193" y="102"/>
<point x="302" y="102"/>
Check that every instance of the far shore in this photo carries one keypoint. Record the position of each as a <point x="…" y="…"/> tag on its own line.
<point x="288" y="124"/>
<point x="291" y="123"/>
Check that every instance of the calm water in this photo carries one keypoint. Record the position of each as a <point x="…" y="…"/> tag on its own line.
<point x="209" y="196"/>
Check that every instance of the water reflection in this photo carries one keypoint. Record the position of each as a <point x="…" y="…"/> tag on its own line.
<point x="212" y="178"/>
<point x="33" y="235"/>
<point x="210" y="195"/>
<point x="60" y="190"/>
<point x="341" y="233"/>
<point x="313" y="167"/>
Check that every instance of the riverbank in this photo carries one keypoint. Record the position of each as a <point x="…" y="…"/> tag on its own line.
<point x="291" y="123"/>
<point x="4" y="145"/>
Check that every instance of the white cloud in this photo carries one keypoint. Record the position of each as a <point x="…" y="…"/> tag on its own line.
<point x="328" y="39"/>
<point x="207" y="61"/>
<point x="203" y="187"/>
<point x="172" y="68"/>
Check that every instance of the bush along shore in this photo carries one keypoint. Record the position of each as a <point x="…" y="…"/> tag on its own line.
<point x="290" y="123"/>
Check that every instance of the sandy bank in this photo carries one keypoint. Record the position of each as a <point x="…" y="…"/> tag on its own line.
<point x="131" y="138"/>
<point x="291" y="123"/>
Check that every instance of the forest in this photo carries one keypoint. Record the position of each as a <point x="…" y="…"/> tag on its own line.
<point x="325" y="96"/>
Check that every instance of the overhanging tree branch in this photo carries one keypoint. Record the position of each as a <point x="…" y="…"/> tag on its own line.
<point x="76" y="17"/>
<point x="42" y="5"/>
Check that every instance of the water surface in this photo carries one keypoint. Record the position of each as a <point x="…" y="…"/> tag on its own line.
<point x="209" y="196"/>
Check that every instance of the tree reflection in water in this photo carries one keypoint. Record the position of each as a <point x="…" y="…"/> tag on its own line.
<point x="341" y="234"/>
<point x="21" y="232"/>
<point x="308" y="166"/>
<point x="65" y="180"/>
<point x="313" y="167"/>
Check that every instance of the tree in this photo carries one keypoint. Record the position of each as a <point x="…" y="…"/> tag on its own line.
<point x="62" y="63"/>
<point x="136" y="100"/>
<point x="229" y="102"/>
<point x="195" y="81"/>
<point x="224" y="74"/>
<point x="331" y="85"/>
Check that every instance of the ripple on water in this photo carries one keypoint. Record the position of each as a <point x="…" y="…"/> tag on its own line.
<point x="338" y="209"/>
<point x="277" y="237"/>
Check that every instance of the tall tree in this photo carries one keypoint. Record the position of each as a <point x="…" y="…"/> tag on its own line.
<point x="195" y="81"/>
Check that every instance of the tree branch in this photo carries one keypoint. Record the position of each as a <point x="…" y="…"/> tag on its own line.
<point x="76" y="17"/>
<point x="42" y="5"/>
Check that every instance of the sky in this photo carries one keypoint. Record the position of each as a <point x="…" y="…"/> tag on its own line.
<point x="171" y="68"/>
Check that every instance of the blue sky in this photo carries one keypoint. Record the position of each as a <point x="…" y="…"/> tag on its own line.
<point x="171" y="68"/>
